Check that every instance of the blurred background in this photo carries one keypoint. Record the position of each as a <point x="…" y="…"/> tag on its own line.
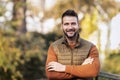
<point x="27" y="27"/>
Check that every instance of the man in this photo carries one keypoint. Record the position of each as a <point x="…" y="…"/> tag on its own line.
<point x="72" y="57"/>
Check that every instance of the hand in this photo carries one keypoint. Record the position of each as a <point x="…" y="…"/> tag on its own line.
<point x="55" y="66"/>
<point x="88" y="61"/>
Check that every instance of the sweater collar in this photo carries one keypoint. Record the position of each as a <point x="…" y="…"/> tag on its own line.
<point x="64" y="41"/>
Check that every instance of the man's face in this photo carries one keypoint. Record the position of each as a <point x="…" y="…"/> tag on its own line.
<point x="70" y="26"/>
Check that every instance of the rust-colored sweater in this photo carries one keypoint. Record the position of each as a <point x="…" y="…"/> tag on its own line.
<point x="88" y="70"/>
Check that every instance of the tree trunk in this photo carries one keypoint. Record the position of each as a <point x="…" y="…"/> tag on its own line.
<point x="42" y="18"/>
<point x="19" y="18"/>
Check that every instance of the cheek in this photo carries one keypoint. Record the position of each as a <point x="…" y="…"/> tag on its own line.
<point x="64" y="28"/>
<point x="77" y="28"/>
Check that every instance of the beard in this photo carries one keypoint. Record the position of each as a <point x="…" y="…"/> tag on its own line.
<point x="72" y="37"/>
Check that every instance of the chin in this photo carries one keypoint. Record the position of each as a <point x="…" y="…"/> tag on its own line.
<point x="70" y="36"/>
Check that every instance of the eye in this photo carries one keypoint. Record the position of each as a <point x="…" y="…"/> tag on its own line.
<point x="73" y="23"/>
<point x="66" y="24"/>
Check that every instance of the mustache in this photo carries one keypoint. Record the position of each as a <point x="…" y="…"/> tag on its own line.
<point x="68" y="30"/>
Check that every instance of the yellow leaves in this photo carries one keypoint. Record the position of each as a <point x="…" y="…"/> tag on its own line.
<point x="9" y="56"/>
<point x="2" y="10"/>
<point x="8" y="52"/>
<point x="88" y="24"/>
<point x="112" y="62"/>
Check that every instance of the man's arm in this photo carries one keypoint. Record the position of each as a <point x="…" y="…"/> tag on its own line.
<point x="53" y="74"/>
<point x="87" y="70"/>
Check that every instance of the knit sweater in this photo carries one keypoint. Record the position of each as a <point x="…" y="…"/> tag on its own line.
<point x="74" y="69"/>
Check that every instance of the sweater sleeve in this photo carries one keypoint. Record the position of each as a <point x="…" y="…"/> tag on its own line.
<point x="88" y="70"/>
<point x="52" y="75"/>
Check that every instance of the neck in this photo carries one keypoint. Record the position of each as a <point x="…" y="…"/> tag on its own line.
<point x="72" y="41"/>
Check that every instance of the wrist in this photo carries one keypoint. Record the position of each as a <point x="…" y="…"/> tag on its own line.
<point x="64" y="68"/>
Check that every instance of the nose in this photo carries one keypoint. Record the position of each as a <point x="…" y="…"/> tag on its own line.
<point x="70" y="26"/>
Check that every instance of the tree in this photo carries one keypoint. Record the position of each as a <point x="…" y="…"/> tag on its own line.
<point x="19" y="18"/>
<point x="42" y="11"/>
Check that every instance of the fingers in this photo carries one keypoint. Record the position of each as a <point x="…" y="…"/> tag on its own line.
<point x="88" y="61"/>
<point x="51" y="66"/>
<point x="55" y="66"/>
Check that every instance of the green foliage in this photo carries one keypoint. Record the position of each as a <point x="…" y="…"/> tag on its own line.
<point x="23" y="57"/>
<point x="50" y="37"/>
<point x="2" y="9"/>
<point x="20" y="56"/>
<point x="9" y="58"/>
<point x="112" y="62"/>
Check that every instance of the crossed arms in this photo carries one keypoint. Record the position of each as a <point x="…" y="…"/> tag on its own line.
<point x="89" y="68"/>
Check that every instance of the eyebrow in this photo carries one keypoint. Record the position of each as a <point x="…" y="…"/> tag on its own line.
<point x="70" y="23"/>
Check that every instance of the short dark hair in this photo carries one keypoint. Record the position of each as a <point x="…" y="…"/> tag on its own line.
<point x="69" y="12"/>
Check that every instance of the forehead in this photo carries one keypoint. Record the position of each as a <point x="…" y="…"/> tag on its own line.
<point x="69" y="19"/>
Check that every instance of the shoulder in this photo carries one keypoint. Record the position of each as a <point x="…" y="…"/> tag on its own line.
<point x="86" y="42"/>
<point x="57" y="42"/>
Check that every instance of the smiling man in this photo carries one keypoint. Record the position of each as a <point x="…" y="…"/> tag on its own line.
<point x="72" y="57"/>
